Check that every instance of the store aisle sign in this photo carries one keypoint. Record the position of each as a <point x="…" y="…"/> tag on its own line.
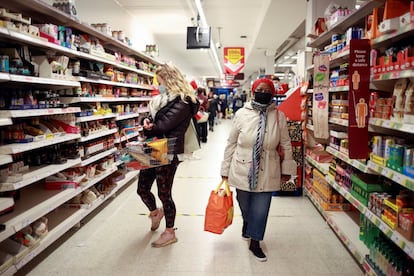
<point x="233" y="60"/>
<point x="320" y="110"/>
<point x="358" y="98"/>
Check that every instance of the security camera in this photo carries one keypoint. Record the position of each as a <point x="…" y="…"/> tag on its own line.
<point x="218" y="45"/>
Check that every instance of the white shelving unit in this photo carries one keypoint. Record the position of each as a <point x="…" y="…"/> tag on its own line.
<point x="36" y="201"/>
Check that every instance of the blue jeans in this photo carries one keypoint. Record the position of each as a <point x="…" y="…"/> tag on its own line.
<point x="255" y="210"/>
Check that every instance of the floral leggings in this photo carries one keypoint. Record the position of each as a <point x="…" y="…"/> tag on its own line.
<point x="164" y="175"/>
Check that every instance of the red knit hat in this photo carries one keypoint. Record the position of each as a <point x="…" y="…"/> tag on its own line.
<point x="269" y="82"/>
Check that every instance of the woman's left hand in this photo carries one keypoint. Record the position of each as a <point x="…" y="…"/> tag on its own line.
<point x="147" y="124"/>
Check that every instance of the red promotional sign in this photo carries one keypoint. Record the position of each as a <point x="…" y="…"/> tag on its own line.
<point x="358" y="98"/>
<point x="233" y="60"/>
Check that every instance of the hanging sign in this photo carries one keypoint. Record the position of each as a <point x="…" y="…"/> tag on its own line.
<point x="358" y="98"/>
<point x="233" y="60"/>
<point x="320" y="110"/>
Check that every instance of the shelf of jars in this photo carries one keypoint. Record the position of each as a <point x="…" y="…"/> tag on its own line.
<point x="406" y="245"/>
<point x="44" y="142"/>
<point x="37" y="112"/>
<point x="395" y="176"/>
<point x="343" y="224"/>
<point x="341" y="26"/>
<point x="353" y="162"/>
<point x="45" y="13"/>
<point x="72" y="100"/>
<point x="391" y="124"/>
<point x="37" y="173"/>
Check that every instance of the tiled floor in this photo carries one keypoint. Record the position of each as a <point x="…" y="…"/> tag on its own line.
<point x="117" y="240"/>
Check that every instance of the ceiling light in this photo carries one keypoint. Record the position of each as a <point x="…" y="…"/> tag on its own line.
<point x="212" y="49"/>
<point x="294" y="57"/>
<point x="285" y="65"/>
<point x="287" y="57"/>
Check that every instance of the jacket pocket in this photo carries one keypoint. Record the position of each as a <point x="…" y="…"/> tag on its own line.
<point x="243" y="157"/>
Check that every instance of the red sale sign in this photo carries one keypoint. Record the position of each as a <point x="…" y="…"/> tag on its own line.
<point x="233" y="60"/>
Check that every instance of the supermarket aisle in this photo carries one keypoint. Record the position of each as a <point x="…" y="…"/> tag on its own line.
<point x="117" y="241"/>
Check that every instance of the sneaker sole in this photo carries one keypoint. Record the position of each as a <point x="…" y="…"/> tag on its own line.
<point x="165" y="243"/>
<point x="260" y="259"/>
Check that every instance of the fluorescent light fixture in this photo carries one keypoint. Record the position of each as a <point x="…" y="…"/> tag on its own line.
<point x="294" y="57"/>
<point x="285" y="65"/>
<point x="213" y="47"/>
<point x="287" y="57"/>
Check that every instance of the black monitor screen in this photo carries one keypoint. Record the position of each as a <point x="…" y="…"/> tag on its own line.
<point x="198" y="37"/>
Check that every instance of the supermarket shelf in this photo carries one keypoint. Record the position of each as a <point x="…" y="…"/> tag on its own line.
<point x="124" y="138"/>
<point x="339" y="89"/>
<point x="341" y="26"/>
<point x="113" y="83"/>
<point x="95" y="117"/>
<point x="399" y="34"/>
<point x="37" y="203"/>
<point x="309" y="91"/>
<point x="37" y="174"/>
<point x="322" y="167"/>
<point x="393" y="75"/>
<point x="98" y="134"/>
<point x="48" y="81"/>
<point x="126" y="116"/>
<point x="37" y="112"/>
<point x="339" y="59"/>
<point x="337" y="121"/>
<point x="97" y="178"/>
<point x="369" y="270"/>
<point x="345" y="228"/>
<point x="397" y="238"/>
<point x="70" y="100"/>
<point x="353" y="162"/>
<point x="17" y="148"/>
<point x="97" y="157"/>
<point x="394" y="125"/>
<point x="5" y="159"/>
<point x="9" y="271"/>
<point x="43" y="43"/>
<point x="64" y="219"/>
<point x="4" y="77"/>
<point x="5" y="121"/>
<point x="397" y="177"/>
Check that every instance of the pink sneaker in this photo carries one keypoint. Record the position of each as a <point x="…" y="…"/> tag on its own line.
<point x="156" y="218"/>
<point x="165" y="239"/>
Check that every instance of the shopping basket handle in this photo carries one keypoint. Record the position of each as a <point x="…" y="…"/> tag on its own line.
<point x="124" y="130"/>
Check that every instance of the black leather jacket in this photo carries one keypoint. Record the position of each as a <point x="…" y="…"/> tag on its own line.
<point x="172" y="121"/>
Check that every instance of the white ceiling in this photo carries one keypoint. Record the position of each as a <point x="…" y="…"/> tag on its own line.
<point x="265" y="23"/>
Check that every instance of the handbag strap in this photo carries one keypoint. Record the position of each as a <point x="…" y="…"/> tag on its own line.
<point x="226" y="186"/>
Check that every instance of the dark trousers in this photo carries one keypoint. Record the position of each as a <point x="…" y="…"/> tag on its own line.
<point x="164" y="175"/>
<point x="203" y="131"/>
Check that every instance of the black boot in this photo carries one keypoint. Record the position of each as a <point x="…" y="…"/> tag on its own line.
<point x="244" y="236"/>
<point x="257" y="251"/>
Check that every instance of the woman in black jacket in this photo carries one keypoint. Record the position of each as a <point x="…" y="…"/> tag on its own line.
<point x="170" y="115"/>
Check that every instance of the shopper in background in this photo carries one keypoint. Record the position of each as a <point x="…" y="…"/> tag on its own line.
<point x="213" y="108"/>
<point x="257" y="173"/>
<point x="237" y="103"/>
<point x="202" y="98"/>
<point x="170" y="115"/>
<point x="230" y="98"/>
<point x="223" y="106"/>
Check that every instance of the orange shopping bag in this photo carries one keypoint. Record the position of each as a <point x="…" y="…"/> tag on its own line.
<point x="219" y="210"/>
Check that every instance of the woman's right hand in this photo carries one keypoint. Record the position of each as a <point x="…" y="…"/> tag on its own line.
<point x="147" y="124"/>
<point x="224" y="177"/>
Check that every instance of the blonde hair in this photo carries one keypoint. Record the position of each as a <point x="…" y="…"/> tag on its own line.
<point x="175" y="81"/>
